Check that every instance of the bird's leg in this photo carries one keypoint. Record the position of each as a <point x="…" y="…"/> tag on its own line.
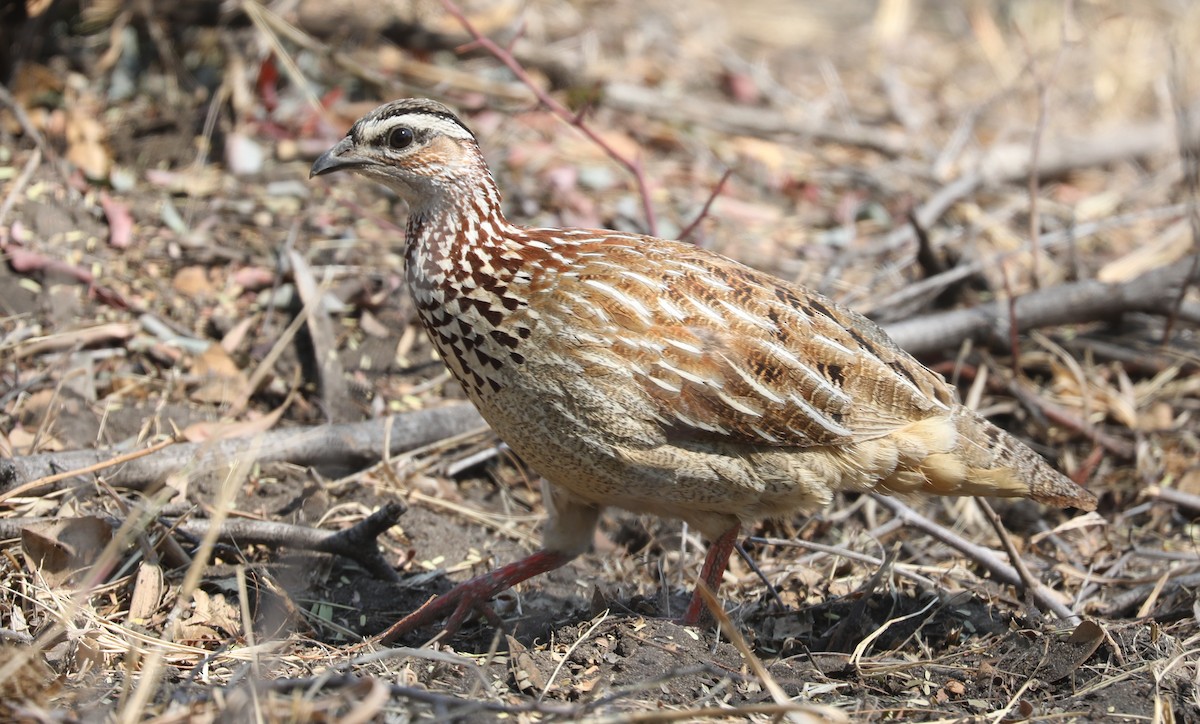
<point x="568" y="532"/>
<point x="473" y="595"/>
<point x="714" y="567"/>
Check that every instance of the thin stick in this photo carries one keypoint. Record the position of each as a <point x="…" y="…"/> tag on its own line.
<point x="567" y="656"/>
<point x="1039" y="130"/>
<point x="102" y="465"/>
<point x="778" y="695"/>
<point x="18" y="186"/>
<point x="1014" y="340"/>
<point x="29" y="129"/>
<point x="901" y="569"/>
<point x="345" y="443"/>
<point x="1073" y="303"/>
<point x="979" y="554"/>
<point x="1028" y="582"/>
<point x="707" y="204"/>
<point x="1190" y="161"/>
<point x="1173" y="496"/>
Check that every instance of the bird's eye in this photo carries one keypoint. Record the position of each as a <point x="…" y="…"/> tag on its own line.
<point x="401" y="137"/>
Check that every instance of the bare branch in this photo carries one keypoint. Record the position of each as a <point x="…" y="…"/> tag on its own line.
<point x="981" y="555"/>
<point x="683" y="235"/>
<point x="1074" y="303"/>
<point x="356" y="443"/>
<point x="745" y="119"/>
<point x="358" y="542"/>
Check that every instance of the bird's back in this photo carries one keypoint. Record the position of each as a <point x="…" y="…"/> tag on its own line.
<point x="664" y="378"/>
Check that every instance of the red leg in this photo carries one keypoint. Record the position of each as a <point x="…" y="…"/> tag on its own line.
<point x="473" y="595"/>
<point x="714" y="567"/>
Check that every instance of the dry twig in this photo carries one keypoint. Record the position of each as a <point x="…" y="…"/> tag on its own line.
<point x="634" y="167"/>
<point x="1073" y="303"/>
<point x="358" y="542"/>
<point x="984" y="557"/>
<point x="356" y="443"/>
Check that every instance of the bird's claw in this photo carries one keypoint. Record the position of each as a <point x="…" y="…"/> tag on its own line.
<point x="473" y="596"/>
<point x="460" y="601"/>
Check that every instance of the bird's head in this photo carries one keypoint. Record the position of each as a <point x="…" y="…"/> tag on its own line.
<point x="415" y="146"/>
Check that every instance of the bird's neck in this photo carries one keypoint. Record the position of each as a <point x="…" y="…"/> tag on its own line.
<point x="455" y="228"/>
<point x="462" y="265"/>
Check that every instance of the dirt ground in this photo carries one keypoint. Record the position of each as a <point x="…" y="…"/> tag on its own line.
<point x="172" y="279"/>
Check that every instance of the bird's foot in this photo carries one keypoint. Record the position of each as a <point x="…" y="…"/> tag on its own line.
<point x="473" y="596"/>
<point x="458" y="603"/>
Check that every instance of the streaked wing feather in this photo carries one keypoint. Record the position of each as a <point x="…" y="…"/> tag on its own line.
<point x="746" y="358"/>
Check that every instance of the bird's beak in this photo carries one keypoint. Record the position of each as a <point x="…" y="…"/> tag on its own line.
<point x="338" y="158"/>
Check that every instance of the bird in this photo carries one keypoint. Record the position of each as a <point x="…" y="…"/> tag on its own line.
<point x="656" y="376"/>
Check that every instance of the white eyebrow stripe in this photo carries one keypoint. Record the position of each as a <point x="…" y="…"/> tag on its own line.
<point x="416" y="120"/>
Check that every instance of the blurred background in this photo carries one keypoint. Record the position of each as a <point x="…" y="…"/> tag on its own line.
<point x="167" y="266"/>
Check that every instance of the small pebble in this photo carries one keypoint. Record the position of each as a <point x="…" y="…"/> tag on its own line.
<point x="243" y="156"/>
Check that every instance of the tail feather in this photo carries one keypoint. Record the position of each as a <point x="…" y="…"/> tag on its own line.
<point x="998" y="464"/>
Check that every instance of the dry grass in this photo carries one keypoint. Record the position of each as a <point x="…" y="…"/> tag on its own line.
<point x="836" y="121"/>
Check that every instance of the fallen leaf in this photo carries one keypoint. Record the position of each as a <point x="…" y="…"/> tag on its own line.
<point x="371" y="325"/>
<point x="1067" y="656"/>
<point x="24" y="261"/>
<point x="120" y="222"/>
<point x="33" y="681"/>
<point x="147" y="593"/>
<point x="86" y="144"/>
<point x="243" y="155"/>
<point x="254" y="278"/>
<point x="1171" y="246"/>
<point x="235" y="336"/>
<point x="88" y="655"/>
<point x="202" y="431"/>
<point x="193" y="183"/>
<point x="215" y="362"/>
<point x="192" y="281"/>
<point x="61" y="551"/>
<point x="222" y="382"/>
<point x="212" y="617"/>
<point x="527" y="677"/>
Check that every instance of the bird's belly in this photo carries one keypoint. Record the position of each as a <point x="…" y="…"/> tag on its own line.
<point x="570" y="433"/>
<point x="596" y="438"/>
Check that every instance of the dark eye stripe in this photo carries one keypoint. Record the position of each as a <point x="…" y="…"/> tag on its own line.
<point x="399" y="112"/>
<point x="381" y="135"/>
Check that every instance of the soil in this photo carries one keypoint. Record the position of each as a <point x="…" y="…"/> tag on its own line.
<point x="890" y="625"/>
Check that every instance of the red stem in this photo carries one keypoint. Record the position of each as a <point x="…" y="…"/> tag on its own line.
<point x="707" y="204"/>
<point x="634" y="167"/>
